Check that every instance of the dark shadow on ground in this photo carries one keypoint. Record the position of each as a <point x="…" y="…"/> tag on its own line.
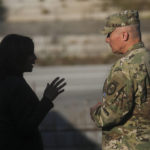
<point x="59" y="134"/>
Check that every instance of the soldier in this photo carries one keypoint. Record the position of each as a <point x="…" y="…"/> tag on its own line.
<point x="124" y="114"/>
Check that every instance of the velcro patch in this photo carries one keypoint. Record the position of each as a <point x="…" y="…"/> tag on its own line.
<point x="111" y="88"/>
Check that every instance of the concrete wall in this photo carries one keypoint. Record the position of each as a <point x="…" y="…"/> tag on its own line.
<point x="62" y="27"/>
<point x="44" y="10"/>
<point x="80" y="46"/>
<point x="71" y="45"/>
<point x="39" y="10"/>
<point x="75" y="45"/>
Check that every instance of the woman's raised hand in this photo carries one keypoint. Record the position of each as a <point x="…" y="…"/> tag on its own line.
<point x="54" y="88"/>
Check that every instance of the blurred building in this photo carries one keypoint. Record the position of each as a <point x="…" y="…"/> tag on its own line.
<point x="47" y="10"/>
<point x="64" y="29"/>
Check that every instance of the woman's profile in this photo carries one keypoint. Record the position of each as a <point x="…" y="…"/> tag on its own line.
<point x="21" y="111"/>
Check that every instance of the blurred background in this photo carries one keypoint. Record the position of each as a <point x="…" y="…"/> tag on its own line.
<point x="68" y="43"/>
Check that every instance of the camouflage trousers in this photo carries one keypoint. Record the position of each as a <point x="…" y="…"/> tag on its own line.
<point x="117" y="145"/>
<point x="114" y="145"/>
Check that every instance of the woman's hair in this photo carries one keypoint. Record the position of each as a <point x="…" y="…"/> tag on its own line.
<point x="14" y="50"/>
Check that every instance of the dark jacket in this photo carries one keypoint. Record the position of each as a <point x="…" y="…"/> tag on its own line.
<point x="20" y="115"/>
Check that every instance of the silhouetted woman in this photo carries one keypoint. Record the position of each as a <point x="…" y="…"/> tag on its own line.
<point x="20" y="110"/>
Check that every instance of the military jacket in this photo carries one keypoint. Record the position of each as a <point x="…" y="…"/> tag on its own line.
<point x="124" y="115"/>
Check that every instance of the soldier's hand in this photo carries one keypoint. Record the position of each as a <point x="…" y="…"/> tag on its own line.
<point x="55" y="88"/>
<point x="93" y="109"/>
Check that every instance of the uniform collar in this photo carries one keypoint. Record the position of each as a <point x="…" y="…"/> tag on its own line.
<point x="135" y="46"/>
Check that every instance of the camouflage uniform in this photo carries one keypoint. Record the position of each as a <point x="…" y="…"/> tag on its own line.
<point x="124" y="115"/>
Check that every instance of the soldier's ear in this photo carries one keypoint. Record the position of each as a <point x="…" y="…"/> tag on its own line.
<point x="125" y="36"/>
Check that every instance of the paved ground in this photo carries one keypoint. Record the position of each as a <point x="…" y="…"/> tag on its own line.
<point x="69" y="125"/>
